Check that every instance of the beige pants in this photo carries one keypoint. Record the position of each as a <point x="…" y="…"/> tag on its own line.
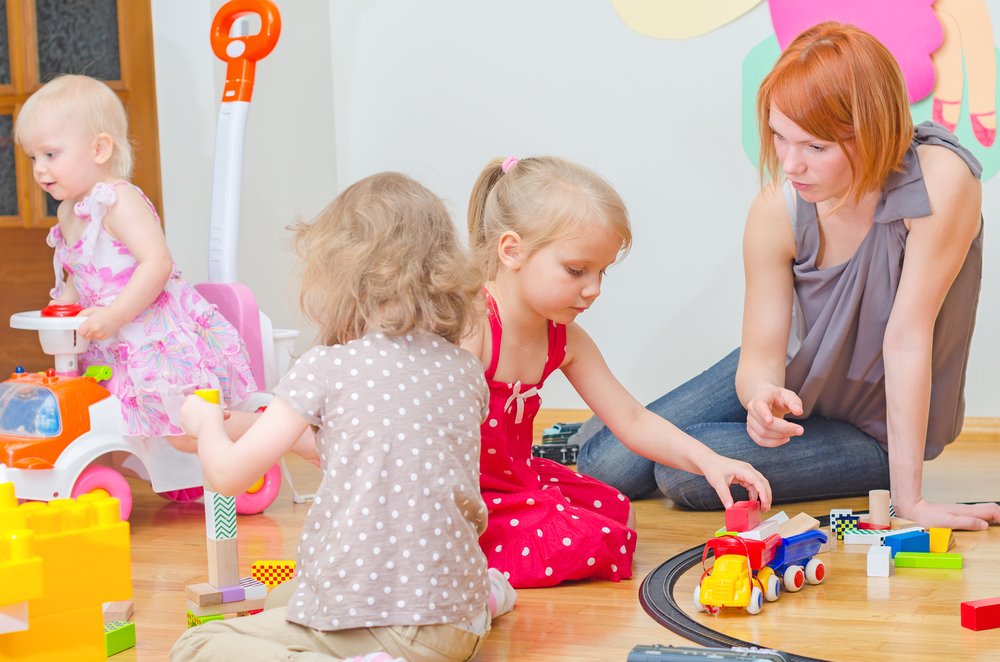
<point x="268" y="636"/>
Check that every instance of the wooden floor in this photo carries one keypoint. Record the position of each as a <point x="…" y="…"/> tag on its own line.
<point x="911" y="616"/>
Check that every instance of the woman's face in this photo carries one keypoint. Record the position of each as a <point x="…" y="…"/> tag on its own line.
<point x="818" y="169"/>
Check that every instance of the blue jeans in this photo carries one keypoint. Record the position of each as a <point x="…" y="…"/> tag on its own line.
<point x="831" y="459"/>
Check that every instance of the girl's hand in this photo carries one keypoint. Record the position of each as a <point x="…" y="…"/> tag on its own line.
<point x="196" y="411"/>
<point x="721" y="472"/>
<point x="101" y="323"/>
<point x="975" y="517"/>
<point x="765" y="412"/>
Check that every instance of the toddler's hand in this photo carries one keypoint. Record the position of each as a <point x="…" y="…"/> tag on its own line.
<point x="765" y="412"/>
<point x="195" y="411"/>
<point x="101" y="323"/>
<point x="721" y="472"/>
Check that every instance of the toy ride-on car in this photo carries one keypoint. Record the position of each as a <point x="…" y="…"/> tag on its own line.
<point x="740" y="576"/>
<point x="61" y="435"/>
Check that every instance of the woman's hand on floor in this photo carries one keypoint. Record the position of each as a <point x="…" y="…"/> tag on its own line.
<point x="974" y="517"/>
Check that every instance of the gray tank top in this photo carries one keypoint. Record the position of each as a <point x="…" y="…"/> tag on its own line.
<point x="842" y="311"/>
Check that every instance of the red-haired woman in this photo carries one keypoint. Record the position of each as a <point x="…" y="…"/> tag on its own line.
<point x="863" y="260"/>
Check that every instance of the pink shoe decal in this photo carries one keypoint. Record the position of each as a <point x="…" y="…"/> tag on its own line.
<point x="983" y="135"/>
<point x="937" y="114"/>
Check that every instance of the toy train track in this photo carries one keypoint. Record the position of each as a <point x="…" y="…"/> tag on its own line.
<point x="656" y="595"/>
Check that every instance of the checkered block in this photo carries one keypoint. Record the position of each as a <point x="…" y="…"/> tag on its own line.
<point x="841" y="520"/>
<point x="272" y="573"/>
<point x="198" y="620"/>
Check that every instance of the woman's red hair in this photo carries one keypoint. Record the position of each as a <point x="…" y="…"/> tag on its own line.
<point x="841" y="85"/>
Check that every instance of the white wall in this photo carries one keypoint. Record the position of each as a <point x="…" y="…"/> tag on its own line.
<point x="289" y="165"/>
<point x="439" y="87"/>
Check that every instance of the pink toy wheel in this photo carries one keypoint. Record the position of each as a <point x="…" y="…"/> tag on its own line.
<point x="254" y="501"/>
<point x="96" y="477"/>
<point x="183" y="496"/>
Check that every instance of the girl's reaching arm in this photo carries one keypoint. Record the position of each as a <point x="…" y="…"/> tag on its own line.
<point x="231" y="468"/>
<point x="768" y="252"/>
<point x="644" y="432"/>
<point x="936" y="249"/>
<point x="130" y="221"/>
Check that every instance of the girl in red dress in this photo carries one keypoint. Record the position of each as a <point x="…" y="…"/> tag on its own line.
<point x="545" y="230"/>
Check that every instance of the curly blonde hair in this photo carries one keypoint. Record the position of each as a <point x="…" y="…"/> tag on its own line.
<point x="542" y="199"/>
<point x="385" y="255"/>
<point x="86" y="100"/>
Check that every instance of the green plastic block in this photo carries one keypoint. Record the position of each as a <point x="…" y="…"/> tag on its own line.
<point x="118" y="636"/>
<point x="927" y="560"/>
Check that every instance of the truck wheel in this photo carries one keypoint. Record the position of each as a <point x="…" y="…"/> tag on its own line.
<point x="772" y="589"/>
<point x="815" y="571"/>
<point x="97" y="477"/>
<point x="756" y="601"/>
<point x="794" y="578"/>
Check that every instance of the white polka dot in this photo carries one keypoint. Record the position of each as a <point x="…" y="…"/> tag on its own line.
<point x="548" y="573"/>
<point x="525" y="551"/>
<point x="493" y="422"/>
<point x="514" y="522"/>
<point x="567" y="542"/>
<point x="591" y="561"/>
<point x="498" y="548"/>
<point x="597" y="504"/>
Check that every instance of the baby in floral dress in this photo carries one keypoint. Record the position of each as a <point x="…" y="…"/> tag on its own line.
<point x="162" y="339"/>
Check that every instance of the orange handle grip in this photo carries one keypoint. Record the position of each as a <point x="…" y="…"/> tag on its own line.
<point x="241" y="53"/>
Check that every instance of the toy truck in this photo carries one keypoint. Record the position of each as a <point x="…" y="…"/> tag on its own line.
<point x="741" y="575"/>
<point x="793" y="560"/>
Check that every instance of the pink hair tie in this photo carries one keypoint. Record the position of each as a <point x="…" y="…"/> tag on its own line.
<point x="509" y="163"/>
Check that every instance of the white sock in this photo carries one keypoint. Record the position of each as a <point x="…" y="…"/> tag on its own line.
<point x="502" y="594"/>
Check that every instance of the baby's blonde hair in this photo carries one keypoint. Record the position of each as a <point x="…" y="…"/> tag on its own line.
<point x="87" y="100"/>
<point x="385" y="255"/>
<point x="542" y="199"/>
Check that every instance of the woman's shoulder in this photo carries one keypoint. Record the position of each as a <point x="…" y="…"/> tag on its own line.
<point x="769" y="224"/>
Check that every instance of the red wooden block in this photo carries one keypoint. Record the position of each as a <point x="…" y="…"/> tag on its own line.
<point x="743" y="516"/>
<point x="876" y="527"/>
<point x="981" y="614"/>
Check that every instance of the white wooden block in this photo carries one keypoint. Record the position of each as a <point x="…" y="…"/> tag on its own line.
<point x="879" y="561"/>
<point x="14" y="617"/>
<point x="762" y="531"/>
<point x="780" y="518"/>
<point x="863" y="537"/>
<point x="253" y="589"/>
<point x="830" y="544"/>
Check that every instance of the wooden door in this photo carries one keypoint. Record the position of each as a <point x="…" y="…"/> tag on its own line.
<point x="109" y="39"/>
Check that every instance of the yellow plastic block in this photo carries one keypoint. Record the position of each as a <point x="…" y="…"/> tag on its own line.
<point x="69" y="636"/>
<point x="20" y="567"/>
<point x="272" y="573"/>
<point x="942" y="540"/>
<point x="77" y="553"/>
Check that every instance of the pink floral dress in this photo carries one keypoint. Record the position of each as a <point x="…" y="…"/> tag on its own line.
<point x="179" y="344"/>
<point x="547" y="523"/>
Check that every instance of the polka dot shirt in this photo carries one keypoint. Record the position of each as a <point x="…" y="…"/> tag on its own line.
<point x="392" y="537"/>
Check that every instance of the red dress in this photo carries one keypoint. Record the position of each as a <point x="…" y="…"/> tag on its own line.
<point x="547" y="523"/>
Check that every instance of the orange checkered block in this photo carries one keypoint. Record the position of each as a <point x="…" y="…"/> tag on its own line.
<point x="272" y="573"/>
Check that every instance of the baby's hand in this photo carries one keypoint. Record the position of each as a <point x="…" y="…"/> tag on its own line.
<point x="721" y="472"/>
<point x="195" y="411"/>
<point x="101" y="323"/>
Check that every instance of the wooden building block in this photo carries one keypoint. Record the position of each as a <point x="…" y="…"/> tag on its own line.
<point x="927" y="560"/>
<point x="223" y="562"/>
<point x="861" y="537"/>
<point x="898" y="523"/>
<point x="762" y="531"/>
<point x="829" y="545"/>
<point x="203" y="595"/>
<point x="118" y="636"/>
<point x="253" y="588"/>
<point x="232" y="594"/>
<point x="909" y="541"/>
<point x="878" y="507"/>
<point x="743" y="516"/>
<point x="193" y="620"/>
<point x="118" y="611"/>
<point x="879" y="561"/>
<point x="272" y="573"/>
<point x="225" y="608"/>
<point x="778" y="518"/>
<point x="981" y="614"/>
<point x="798" y="524"/>
<point x="942" y="540"/>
